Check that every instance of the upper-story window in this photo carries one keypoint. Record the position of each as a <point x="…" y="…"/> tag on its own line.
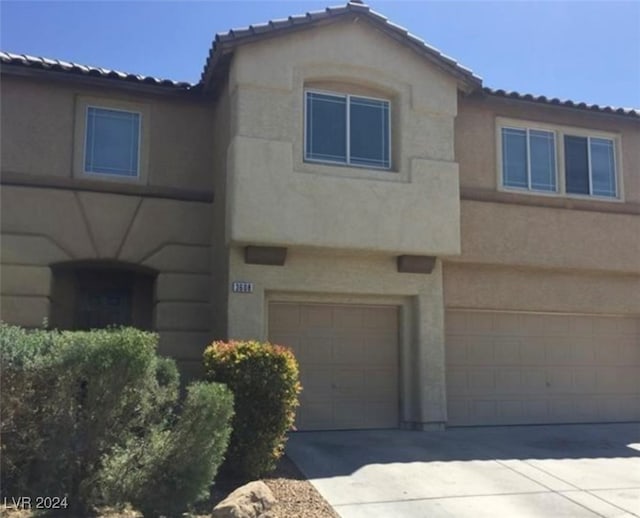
<point x="590" y="166"/>
<point x="347" y="129"/>
<point x="529" y="159"/>
<point x="559" y="160"/>
<point x="112" y="142"/>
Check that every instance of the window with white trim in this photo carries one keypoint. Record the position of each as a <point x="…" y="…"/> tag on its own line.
<point x="558" y="160"/>
<point x="112" y="142"/>
<point x="347" y="129"/>
<point x="529" y="159"/>
<point x="590" y="166"/>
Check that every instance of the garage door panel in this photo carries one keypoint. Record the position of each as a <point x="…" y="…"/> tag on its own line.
<point x="348" y="318"/>
<point x="532" y="350"/>
<point x="316" y="351"/>
<point x="316" y="318"/>
<point x="511" y="409"/>
<point x="350" y="413"/>
<point x="379" y="383"/>
<point x="618" y="326"/>
<point x="315" y="414"/>
<point x="380" y="318"/>
<point x="484" y="410"/>
<point x="585" y="381"/>
<point x="534" y="381"/>
<point x="482" y="381"/>
<point x="559" y="351"/>
<point x="506" y="351"/>
<point x="619" y="380"/>
<point x="535" y="410"/>
<point x="349" y="383"/>
<point x="317" y="382"/>
<point x="477" y="349"/>
<point x="284" y="318"/>
<point x="380" y="413"/>
<point x="375" y="351"/>
<point x="348" y="356"/>
<point x="347" y="351"/>
<point x="458" y="383"/>
<point x="559" y="380"/>
<point x="583" y="351"/>
<point x="510" y="368"/>
<point x="508" y="381"/>
<point x="628" y="353"/>
<point x="457" y="350"/>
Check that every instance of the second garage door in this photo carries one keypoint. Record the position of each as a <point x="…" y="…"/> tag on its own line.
<point x="348" y="358"/>
<point x="524" y="368"/>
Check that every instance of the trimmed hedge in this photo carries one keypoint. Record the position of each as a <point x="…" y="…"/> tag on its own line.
<point x="264" y="379"/>
<point x="73" y="402"/>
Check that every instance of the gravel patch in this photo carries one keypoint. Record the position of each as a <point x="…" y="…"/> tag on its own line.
<point x="296" y="497"/>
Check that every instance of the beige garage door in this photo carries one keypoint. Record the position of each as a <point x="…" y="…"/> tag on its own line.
<point x="348" y="359"/>
<point x="521" y="368"/>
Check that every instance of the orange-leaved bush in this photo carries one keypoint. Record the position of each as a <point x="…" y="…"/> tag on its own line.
<point x="264" y="379"/>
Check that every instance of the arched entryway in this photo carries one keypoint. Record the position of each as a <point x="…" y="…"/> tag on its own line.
<point x="98" y="294"/>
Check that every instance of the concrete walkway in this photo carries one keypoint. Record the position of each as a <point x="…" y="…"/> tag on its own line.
<point x="527" y="471"/>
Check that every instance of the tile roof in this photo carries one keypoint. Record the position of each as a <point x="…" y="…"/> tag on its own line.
<point x="631" y="112"/>
<point x="225" y="42"/>
<point x="24" y="60"/>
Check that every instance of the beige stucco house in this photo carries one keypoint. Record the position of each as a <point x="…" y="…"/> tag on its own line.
<point x="435" y="252"/>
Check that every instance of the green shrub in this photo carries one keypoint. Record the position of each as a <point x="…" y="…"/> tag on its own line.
<point x="265" y="382"/>
<point x="70" y="400"/>
<point x="174" y="467"/>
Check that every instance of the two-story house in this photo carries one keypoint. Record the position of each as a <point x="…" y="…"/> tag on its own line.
<point x="434" y="252"/>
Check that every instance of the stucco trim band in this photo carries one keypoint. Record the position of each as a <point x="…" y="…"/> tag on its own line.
<point x="81" y="184"/>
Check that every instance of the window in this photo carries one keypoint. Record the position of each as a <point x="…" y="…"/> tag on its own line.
<point x="529" y="159"/>
<point x="346" y="129"/>
<point x="557" y="160"/>
<point x="112" y="142"/>
<point x="590" y="166"/>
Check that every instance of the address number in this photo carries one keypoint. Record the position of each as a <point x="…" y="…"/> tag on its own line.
<point x="242" y="287"/>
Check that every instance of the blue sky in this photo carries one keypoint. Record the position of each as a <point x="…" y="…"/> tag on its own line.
<point x="584" y="51"/>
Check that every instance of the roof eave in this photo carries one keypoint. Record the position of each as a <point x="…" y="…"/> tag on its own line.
<point x="226" y="44"/>
<point x="97" y="81"/>
<point x="628" y="113"/>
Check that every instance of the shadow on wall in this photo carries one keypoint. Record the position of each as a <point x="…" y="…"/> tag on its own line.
<point x="328" y="454"/>
<point x="96" y="294"/>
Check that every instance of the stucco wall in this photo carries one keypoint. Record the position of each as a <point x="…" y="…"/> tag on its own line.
<point x="506" y="234"/>
<point x="536" y="289"/>
<point x="41" y="227"/>
<point x="542" y="253"/>
<point x="39" y="116"/>
<point x="277" y="198"/>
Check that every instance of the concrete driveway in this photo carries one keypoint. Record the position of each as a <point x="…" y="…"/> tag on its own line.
<point x="515" y="471"/>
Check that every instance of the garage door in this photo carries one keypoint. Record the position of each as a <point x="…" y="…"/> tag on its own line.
<point x="520" y="368"/>
<point x="348" y="359"/>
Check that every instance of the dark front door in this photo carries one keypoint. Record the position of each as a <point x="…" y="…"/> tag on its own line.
<point x="104" y="298"/>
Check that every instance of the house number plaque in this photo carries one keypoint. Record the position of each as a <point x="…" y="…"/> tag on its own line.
<point x="241" y="287"/>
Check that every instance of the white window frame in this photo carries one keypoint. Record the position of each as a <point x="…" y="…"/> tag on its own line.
<point x="82" y="105"/>
<point x="615" y="166"/>
<point x="86" y="134"/>
<point x="560" y="132"/>
<point x="527" y="131"/>
<point x="348" y="130"/>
